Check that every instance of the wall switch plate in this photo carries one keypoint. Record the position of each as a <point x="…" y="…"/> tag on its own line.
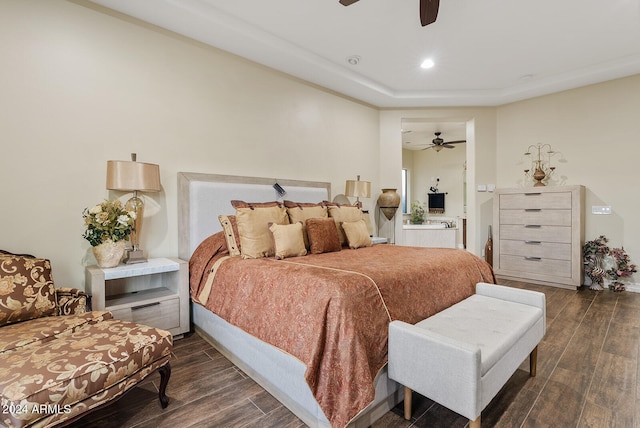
<point x="601" y="209"/>
<point x="491" y="187"/>
<point x="482" y="187"/>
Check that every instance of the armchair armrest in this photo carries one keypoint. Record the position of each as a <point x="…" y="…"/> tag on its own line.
<point x="71" y="301"/>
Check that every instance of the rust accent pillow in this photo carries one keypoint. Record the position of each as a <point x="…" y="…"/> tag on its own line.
<point x="288" y="241"/>
<point x="341" y="214"/>
<point x="26" y="289"/>
<point x="357" y="234"/>
<point x="323" y="235"/>
<point x="253" y="227"/>
<point x="231" y="235"/>
<point x="303" y="211"/>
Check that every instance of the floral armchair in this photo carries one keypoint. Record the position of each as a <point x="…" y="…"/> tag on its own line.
<point x="58" y="360"/>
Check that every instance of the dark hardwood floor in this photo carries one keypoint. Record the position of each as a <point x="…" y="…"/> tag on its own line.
<point x="587" y="377"/>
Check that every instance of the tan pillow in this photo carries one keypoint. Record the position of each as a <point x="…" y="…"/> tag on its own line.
<point x="288" y="240"/>
<point x="301" y="212"/>
<point x="253" y="228"/>
<point x="357" y="233"/>
<point x="341" y="214"/>
<point x="323" y="235"/>
<point x="230" y="229"/>
<point x="26" y="289"/>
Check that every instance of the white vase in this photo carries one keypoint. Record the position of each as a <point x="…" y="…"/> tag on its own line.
<point x="109" y="253"/>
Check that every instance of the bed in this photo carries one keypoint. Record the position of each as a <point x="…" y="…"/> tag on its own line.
<point x="311" y="330"/>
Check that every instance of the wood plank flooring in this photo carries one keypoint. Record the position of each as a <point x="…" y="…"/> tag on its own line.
<point x="587" y="377"/>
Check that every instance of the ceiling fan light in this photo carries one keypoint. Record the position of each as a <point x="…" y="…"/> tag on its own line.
<point x="427" y="63"/>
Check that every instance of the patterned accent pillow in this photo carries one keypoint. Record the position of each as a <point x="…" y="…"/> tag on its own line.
<point x="288" y="241"/>
<point x="323" y="235"/>
<point x="26" y="289"/>
<point x="342" y="213"/>
<point x="253" y="227"/>
<point x="301" y="212"/>
<point x="357" y="233"/>
<point x="230" y="229"/>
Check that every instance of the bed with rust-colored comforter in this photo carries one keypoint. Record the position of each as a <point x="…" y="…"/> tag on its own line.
<point x="331" y="311"/>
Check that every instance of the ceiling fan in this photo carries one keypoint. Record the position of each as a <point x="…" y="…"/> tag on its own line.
<point x="438" y="143"/>
<point x="428" y="10"/>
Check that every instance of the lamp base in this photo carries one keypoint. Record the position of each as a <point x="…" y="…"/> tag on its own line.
<point x="135" y="256"/>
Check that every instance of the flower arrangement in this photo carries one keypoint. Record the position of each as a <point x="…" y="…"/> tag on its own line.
<point x="417" y="212"/>
<point x="603" y="264"/>
<point x="107" y="220"/>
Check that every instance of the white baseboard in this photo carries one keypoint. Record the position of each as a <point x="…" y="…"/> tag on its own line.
<point x="633" y="287"/>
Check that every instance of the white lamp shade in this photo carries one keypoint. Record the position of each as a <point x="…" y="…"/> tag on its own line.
<point x="129" y="176"/>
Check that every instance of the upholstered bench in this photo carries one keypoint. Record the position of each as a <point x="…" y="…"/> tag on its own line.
<point x="461" y="357"/>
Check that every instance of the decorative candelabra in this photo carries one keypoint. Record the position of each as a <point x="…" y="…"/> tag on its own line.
<point x="541" y="168"/>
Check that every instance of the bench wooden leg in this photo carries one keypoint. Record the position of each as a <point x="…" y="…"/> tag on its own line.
<point x="474" y="424"/>
<point x="533" y="362"/>
<point x="408" y="394"/>
<point x="165" y="374"/>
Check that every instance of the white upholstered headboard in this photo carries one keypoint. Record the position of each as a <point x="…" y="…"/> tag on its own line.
<point x="203" y="197"/>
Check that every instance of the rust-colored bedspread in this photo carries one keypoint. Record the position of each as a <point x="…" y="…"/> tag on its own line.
<point x="332" y="310"/>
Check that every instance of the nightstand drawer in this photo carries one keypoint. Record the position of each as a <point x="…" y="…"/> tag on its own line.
<point x="526" y="200"/>
<point x="164" y="314"/>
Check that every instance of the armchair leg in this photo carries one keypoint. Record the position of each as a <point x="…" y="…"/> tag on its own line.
<point x="533" y="362"/>
<point x="165" y="374"/>
<point x="408" y="395"/>
<point x="474" y="424"/>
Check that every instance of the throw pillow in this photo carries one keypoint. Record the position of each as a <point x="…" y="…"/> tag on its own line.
<point x="357" y="234"/>
<point x="288" y="241"/>
<point x="323" y="235"/>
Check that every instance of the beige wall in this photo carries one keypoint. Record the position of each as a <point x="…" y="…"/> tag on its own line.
<point x="597" y="131"/>
<point x="80" y="87"/>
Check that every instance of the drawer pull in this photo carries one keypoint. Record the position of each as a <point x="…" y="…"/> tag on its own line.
<point x="533" y="210"/>
<point x="534" y="226"/>
<point x="533" y="194"/>
<point x="534" y="259"/>
<point x="133" y="308"/>
<point x="533" y="242"/>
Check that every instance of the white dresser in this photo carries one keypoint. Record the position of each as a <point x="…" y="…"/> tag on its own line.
<point x="539" y="234"/>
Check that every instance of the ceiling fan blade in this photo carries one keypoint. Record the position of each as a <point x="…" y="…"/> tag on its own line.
<point x="456" y="142"/>
<point x="447" y="147"/>
<point x="428" y="11"/>
<point x="347" y="2"/>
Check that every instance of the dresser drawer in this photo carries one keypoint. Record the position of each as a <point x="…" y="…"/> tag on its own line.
<point x="164" y="314"/>
<point x="539" y="233"/>
<point x="533" y="200"/>
<point x="536" y="216"/>
<point x="533" y="265"/>
<point x="549" y="250"/>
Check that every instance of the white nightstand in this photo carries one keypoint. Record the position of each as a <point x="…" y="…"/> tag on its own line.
<point x="154" y="293"/>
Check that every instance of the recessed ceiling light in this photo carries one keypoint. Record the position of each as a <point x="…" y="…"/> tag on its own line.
<point x="427" y="63"/>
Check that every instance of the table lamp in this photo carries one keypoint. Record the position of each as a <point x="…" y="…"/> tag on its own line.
<point x="358" y="189"/>
<point x="132" y="176"/>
